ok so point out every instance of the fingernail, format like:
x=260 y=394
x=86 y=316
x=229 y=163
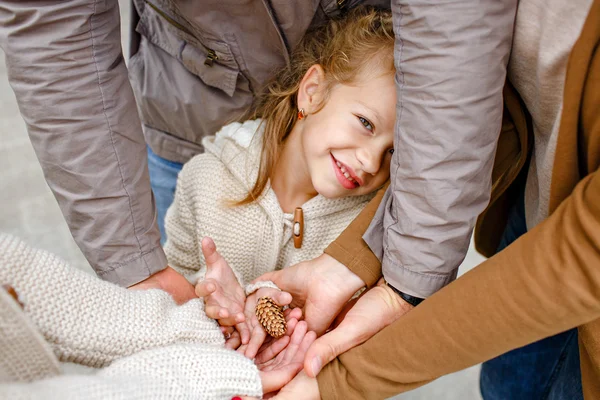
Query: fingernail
x=316 y=365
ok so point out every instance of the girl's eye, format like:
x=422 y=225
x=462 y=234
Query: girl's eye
x=365 y=123
x=391 y=151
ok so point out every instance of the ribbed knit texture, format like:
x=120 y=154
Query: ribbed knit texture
x=163 y=350
x=26 y=355
x=254 y=238
x=253 y=287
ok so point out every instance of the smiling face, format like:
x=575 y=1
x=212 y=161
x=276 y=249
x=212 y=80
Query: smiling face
x=347 y=145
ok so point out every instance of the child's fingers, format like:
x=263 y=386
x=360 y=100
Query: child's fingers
x=293 y=313
x=272 y=350
x=227 y=331
x=256 y=340
x=283 y=298
x=242 y=349
x=206 y=287
x=229 y=318
x=275 y=379
x=295 y=342
x=244 y=330
x=308 y=339
x=291 y=324
x=209 y=250
x=234 y=341
x=217 y=312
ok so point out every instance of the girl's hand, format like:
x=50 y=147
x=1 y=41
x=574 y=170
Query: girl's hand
x=283 y=359
x=224 y=298
x=257 y=332
x=302 y=387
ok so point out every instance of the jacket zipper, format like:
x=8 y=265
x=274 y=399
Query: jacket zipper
x=211 y=54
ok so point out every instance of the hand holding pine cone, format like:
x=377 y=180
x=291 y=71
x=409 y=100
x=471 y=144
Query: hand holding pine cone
x=270 y=316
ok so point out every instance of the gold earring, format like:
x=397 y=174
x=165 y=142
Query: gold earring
x=301 y=114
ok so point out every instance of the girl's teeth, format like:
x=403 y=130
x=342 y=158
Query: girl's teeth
x=343 y=169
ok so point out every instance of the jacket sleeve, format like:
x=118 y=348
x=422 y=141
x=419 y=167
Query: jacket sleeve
x=351 y=250
x=174 y=372
x=450 y=70
x=544 y=283
x=66 y=68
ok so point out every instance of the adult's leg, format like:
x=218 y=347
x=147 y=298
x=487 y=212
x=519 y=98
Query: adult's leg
x=163 y=179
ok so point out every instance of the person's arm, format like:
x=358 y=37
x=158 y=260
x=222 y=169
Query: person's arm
x=92 y=322
x=179 y=371
x=66 y=67
x=546 y=282
x=451 y=65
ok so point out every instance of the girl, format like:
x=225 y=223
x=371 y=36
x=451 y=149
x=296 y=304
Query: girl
x=276 y=189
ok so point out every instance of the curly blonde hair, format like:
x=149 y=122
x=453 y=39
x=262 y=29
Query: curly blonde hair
x=344 y=47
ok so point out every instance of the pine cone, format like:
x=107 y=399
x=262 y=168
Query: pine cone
x=270 y=316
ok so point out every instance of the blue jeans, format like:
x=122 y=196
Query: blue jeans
x=163 y=179
x=544 y=370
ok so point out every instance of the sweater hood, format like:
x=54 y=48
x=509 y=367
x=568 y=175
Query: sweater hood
x=237 y=146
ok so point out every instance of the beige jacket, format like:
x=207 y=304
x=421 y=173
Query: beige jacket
x=197 y=64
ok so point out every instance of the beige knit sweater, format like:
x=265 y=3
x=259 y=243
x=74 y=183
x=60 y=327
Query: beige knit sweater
x=254 y=238
x=150 y=348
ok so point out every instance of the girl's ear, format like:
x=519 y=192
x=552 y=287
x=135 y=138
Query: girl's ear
x=310 y=92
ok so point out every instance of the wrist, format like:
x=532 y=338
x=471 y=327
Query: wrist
x=413 y=301
x=350 y=280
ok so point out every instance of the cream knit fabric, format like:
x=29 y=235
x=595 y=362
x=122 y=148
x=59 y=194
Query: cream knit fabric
x=155 y=348
x=254 y=238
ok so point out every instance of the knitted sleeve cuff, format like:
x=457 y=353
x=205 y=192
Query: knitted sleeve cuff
x=196 y=370
x=253 y=287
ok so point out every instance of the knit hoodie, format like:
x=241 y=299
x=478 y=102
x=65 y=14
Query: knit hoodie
x=254 y=238
x=147 y=346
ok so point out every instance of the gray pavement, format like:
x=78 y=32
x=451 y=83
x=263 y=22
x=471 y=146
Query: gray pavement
x=28 y=209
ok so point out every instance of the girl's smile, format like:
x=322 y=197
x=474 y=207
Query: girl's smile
x=344 y=174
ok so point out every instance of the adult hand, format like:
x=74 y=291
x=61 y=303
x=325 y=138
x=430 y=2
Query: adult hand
x=171 y=282
x=374 y=310
x=279 y=362
x=278 y=367
x=224 y=298
x=321 y=287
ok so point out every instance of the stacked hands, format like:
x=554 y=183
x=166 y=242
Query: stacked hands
x=322 y=288
x=278 y=360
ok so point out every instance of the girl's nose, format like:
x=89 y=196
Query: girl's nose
x=370 y=160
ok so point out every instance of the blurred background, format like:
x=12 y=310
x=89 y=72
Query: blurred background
x=28 y=210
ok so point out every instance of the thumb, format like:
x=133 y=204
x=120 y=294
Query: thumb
x=209 y=250
x=319 y=316
x=329 y=346
x=268 y=276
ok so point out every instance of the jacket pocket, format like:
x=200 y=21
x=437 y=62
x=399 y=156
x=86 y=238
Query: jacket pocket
x=211 y=60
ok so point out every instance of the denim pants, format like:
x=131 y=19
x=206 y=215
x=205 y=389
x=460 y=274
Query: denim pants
x=163 y=179
x=544 y=370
